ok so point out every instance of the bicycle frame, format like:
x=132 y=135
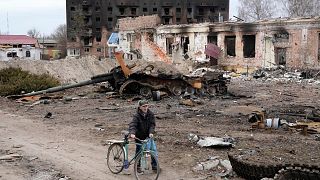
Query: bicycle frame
x=125 y=147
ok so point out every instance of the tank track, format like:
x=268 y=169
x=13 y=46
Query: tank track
x=280 y=171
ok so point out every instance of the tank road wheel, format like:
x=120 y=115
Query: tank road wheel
x=130 y=86
x=176 y=90
x=145 y=91
x=201 y=92
x=190 y=90
x=212 y=90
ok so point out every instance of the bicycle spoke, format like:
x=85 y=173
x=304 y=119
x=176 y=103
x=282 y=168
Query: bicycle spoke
x=146 y=168
x=115 y=158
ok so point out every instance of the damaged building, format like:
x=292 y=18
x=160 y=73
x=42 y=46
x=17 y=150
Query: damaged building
x=293 y=43
x=19 y=46
x=90 y=22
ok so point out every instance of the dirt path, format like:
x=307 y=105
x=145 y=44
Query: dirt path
x=73 y=158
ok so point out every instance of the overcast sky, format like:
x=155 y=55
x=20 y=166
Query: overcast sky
x=19 y=16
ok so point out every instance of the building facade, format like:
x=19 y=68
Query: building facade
x=293 y=43
x=90 y=22
x=19 y=46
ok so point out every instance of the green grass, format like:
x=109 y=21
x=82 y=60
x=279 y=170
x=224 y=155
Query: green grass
x=14 y=81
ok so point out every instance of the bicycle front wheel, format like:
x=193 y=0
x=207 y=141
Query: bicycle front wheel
x=115 y=158
x=146 y=166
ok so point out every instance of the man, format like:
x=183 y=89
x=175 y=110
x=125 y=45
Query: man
x=143 y=125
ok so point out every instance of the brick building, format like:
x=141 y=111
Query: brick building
x=294 y=43
x=90 y=22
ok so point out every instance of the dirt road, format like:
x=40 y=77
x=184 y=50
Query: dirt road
x=71 y=143
x=52 y=147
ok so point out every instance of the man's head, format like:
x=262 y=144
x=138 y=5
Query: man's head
x=143 y=105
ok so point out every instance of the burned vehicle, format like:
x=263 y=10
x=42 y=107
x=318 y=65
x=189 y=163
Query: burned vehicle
x=144 y=77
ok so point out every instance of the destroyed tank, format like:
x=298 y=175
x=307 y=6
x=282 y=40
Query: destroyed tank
x=145 y=77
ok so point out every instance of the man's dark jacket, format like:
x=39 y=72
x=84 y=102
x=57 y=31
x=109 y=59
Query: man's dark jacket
x=142 y=125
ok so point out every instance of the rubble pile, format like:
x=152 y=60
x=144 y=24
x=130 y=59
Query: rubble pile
x=285 y=76
x=68 y=70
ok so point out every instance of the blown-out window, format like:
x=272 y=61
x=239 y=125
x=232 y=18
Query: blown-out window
x=231 y=45
x=249 y=46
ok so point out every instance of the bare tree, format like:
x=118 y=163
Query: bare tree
x=251 y=10
x=60 y=35
x=301 y=8
x=33 y=33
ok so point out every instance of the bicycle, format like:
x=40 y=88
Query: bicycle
x=117 y=158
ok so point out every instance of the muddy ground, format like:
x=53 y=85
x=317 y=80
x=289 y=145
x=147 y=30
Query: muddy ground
x=71 y=143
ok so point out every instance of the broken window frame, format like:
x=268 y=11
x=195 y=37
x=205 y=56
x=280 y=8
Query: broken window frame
x=231 y=50
x=248 y=50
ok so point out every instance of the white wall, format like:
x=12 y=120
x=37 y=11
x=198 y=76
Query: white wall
x=21 y=53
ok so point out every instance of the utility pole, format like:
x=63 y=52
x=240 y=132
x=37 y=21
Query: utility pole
x=8 y=32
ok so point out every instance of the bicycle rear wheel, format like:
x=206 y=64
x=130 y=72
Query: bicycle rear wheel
x=115 y=158
x=143 y=168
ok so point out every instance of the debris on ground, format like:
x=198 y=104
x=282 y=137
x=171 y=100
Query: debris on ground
x=212 y=141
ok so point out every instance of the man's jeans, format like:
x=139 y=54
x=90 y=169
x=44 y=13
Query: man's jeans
x=153 y=161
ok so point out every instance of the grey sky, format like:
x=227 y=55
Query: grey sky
x=19 y=16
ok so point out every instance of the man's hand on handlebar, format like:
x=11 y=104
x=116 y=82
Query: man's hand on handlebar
x=132 y=136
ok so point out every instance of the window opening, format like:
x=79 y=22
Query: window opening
x=121 y=11
x=231 y=45
x=133 y=11
x=249 y=46
x=185 y=44
x=28 y=54
x=166 y=11
x=201 y=11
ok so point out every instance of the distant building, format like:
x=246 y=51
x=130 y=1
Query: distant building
x=19 y=46
x=50 y=49
x=90 y=22
x=240 y=47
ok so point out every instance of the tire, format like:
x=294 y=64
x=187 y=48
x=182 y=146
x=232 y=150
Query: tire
x=145 y=165
x=115 y=158
x=212 y=90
